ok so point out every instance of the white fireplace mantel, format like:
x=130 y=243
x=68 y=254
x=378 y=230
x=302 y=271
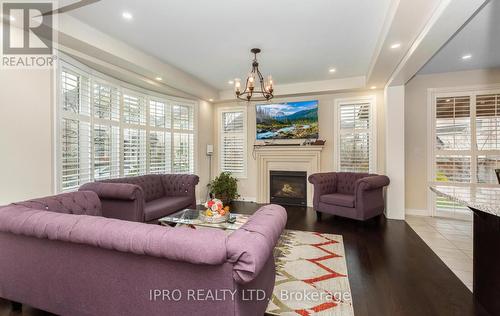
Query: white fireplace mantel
x=285 y=158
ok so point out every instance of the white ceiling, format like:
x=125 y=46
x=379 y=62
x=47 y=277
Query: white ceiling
x=479 y=38
x=300 y=40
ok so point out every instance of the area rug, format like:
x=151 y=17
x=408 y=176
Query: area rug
x=311 y=276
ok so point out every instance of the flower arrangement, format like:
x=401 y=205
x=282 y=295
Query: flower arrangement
x=215 y=208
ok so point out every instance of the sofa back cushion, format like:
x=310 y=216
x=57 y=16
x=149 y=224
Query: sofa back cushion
x=346 y=181
x=151 y=185
x=179 y=184
x=79 y=203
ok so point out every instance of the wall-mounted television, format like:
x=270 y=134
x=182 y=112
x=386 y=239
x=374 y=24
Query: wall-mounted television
x=288 y=120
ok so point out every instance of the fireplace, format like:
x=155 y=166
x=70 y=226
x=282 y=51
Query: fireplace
x=288 y=187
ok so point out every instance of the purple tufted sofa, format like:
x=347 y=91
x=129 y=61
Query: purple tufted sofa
x=348 y=194
x=59 y=255
x=145 y=198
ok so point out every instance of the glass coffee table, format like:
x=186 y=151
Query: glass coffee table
x=191 y=217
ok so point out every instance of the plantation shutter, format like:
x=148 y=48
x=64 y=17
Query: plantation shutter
x=488 y=137
x=106 y=151
x=134 y=152
x=107 y=131
x=106 y=102
x=453 y=163
x=159 y=137
x=183 y=153
x=134 y=109
x=183 y=138
x=233 y=154
x=75 y=129
x=453 y=139
x=355 y=137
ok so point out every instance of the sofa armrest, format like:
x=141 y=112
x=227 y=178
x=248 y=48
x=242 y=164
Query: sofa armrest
x=250 y=247
x=119 y=200
x=324 y=183
x=115 y=191
x=371 y=183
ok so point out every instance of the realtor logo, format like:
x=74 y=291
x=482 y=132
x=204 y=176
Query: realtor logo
x=36 y=27
x=27 y=32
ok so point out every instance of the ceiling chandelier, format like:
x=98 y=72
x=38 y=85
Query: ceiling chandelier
x=251 y=89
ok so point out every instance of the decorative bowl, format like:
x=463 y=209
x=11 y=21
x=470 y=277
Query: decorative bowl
x=213 y=219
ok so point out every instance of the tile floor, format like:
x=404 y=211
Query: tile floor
x=450 y=239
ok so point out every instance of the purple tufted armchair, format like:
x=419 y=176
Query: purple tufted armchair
x=347 y=194
x=145 y=198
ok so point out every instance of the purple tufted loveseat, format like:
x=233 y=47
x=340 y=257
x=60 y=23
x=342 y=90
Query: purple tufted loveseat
x=59 y=255
x=145 y=198
x=355 y=195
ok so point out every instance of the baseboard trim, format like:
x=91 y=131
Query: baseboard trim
x=247 y=199
x=417 y=212
x=243 y=199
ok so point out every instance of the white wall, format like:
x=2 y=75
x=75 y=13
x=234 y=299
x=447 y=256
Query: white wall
x=205 y=137
x=395 y=151
x=25 y=134
x=416 y=126
x=248 y=187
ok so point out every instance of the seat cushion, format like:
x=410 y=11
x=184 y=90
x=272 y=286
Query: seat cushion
x=339 y=199
x=164 y=206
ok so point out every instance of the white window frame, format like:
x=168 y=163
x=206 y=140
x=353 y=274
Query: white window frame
x=372 y=100
x=123 y=87
x=220 y=113
x=432 y=95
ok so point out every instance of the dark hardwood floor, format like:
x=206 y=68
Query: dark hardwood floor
x=391 y=270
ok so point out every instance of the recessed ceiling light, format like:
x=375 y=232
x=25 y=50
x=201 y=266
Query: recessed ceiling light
x=373 y=87
x=396 y=45
x=468 y=56
x=211 y=100
x=159 y=78
x=332 y=70
x=448 y=100
x=230 y=82
x=127 y=15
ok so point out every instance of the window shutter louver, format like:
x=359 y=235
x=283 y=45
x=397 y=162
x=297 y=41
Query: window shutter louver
x=75 y=92
x=106 y=102
x=106 y=152
x=453 y=128
x=355 y=137
x=183 y=153
x=75 y=129
x=233 y=138
x=134 y=152
x=183 y=138
x=453 y=144
x=134 y=109
x=159 y=152
x=488 y=137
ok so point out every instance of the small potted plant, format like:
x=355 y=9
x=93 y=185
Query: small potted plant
x=225 y=187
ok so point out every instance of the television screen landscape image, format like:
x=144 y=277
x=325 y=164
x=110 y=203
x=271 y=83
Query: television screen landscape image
x=290 y=120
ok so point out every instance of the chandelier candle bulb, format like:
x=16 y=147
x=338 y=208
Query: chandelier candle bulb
x=237 y=85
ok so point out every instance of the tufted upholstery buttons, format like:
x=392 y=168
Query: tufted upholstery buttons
x=179 y=184
x=346 y=181
x=79 y=203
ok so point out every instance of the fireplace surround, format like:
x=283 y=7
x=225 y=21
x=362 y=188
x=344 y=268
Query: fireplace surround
x=288 y=187
x=290 y=158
